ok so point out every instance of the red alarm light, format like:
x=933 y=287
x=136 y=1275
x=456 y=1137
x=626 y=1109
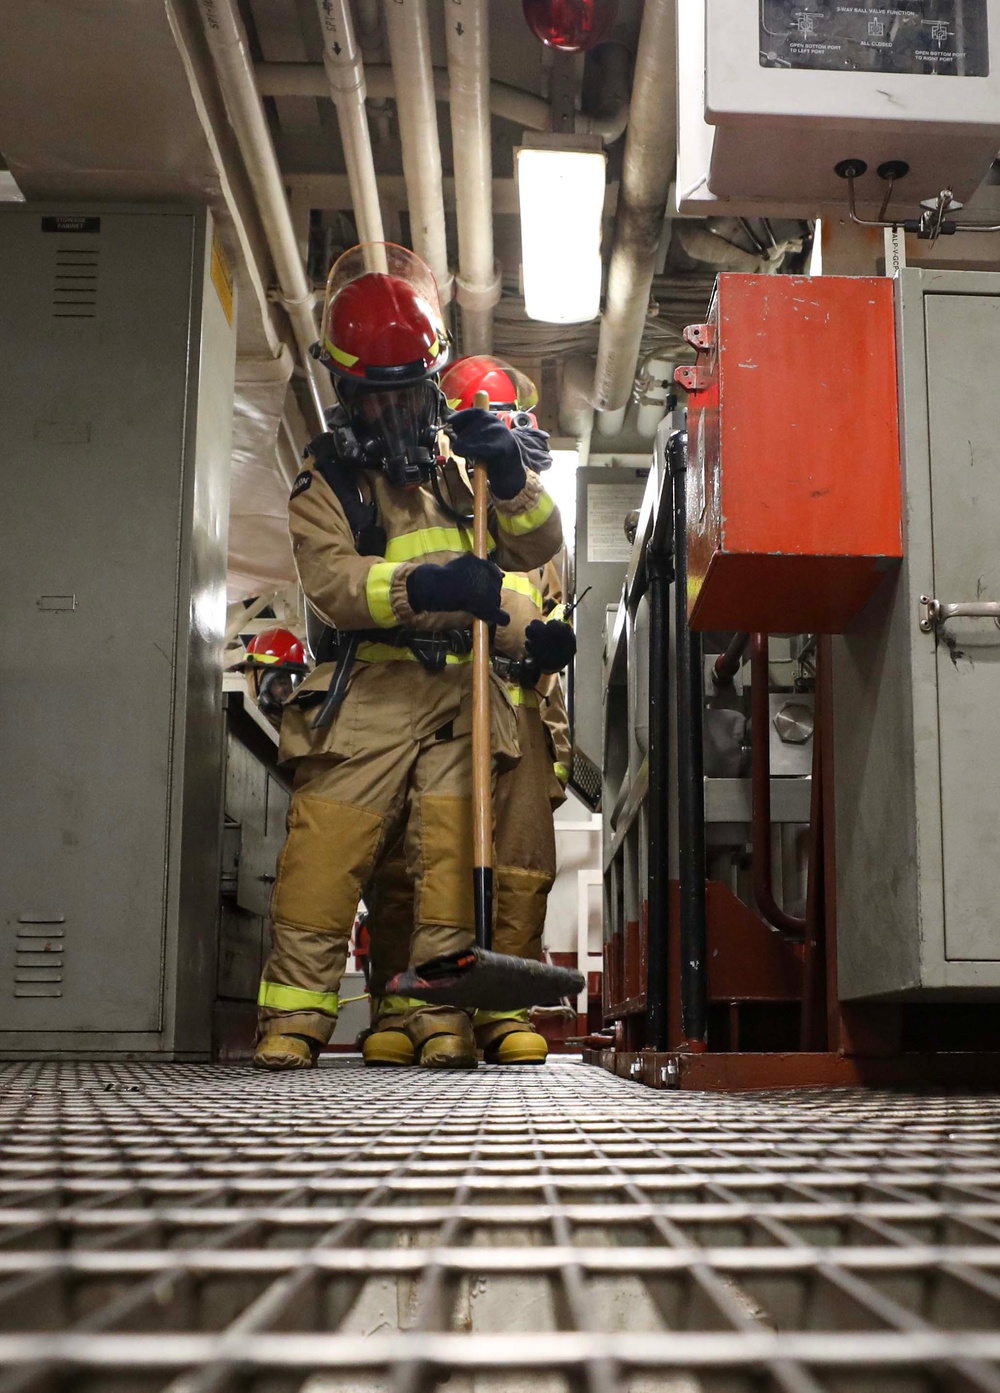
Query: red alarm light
x=570 y=25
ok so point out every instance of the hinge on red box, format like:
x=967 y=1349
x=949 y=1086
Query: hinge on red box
x=700 y=336
x=693 y=379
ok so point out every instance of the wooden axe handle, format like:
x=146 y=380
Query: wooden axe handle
x=482 y=754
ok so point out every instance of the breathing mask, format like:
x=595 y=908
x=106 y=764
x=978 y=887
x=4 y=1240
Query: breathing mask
x=394 y=429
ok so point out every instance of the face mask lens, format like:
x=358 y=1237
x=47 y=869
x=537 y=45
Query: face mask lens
x=397 y=428
x=274 y=688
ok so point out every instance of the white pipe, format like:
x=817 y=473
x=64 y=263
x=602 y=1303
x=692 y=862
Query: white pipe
x=477 y=286
x=227 y=43
x=410 y=50
x=609 y=423
x=647 y=170
x=345 y=74
x=510 y=103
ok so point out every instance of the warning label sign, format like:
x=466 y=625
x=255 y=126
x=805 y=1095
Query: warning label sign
x=947 y=38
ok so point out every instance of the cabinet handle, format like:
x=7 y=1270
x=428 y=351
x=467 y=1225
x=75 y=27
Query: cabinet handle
x=267 y=879
x=934 y=613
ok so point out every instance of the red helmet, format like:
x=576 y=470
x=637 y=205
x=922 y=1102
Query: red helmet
x=382 y=320
x=507 y=388
x=276 y=648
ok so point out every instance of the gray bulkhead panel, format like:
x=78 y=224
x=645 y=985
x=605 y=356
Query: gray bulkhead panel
x=917 y=717
x=116 y=382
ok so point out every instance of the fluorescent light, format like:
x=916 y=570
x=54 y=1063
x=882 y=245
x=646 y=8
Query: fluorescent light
x=561 y=194
x=560 y=484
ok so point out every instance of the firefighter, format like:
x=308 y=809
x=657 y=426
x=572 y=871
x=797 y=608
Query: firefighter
x=379 y=735
x=274 y=666
x=526 y=796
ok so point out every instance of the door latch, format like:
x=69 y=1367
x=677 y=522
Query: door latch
x=934 y=613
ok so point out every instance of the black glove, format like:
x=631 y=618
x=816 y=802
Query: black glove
x=550 y=643
x=534 y=450
x=463 y=584
x=478 y=435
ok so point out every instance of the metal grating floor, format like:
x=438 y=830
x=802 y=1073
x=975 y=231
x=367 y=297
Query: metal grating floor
x=189 y=1228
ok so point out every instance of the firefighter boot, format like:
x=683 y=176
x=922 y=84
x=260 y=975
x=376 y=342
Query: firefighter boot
x=507 y=1037
x=286 y=1052
x=387 y=1044
x=442 y=1037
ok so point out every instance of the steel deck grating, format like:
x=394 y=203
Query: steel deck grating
x=194 y=1229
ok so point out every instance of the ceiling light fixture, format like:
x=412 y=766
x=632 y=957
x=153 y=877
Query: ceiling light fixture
x=560 y=188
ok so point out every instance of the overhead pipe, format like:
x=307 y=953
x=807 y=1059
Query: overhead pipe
x=408 y=32
x=477 y=285
x=512 y=104
x=345 y=75
x=647 y=171
x=227 y=44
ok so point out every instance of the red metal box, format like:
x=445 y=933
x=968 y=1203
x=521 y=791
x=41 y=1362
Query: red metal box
x=793 y=484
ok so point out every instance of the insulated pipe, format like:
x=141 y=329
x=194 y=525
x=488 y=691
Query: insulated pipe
x=647 y=170
x=227 y=44
x=345 y=75
x=509 y=103
x=760 y=798
x=477 y=285
x=410 y=51
x=611 y=423
x=693 y=928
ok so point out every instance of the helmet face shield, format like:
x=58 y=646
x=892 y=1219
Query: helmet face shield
x=382 y=319
x=397 y=427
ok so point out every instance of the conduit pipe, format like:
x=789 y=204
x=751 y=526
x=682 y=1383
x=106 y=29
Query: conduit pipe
x=410 y=51
x=227 y=44
x=477 y=285
x=647 y=170
x=345 y=75
x=509 y=103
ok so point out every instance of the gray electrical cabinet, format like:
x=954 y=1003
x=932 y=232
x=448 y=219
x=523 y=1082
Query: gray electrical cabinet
x=917 y=684
x=604 y=498
x=116 y=389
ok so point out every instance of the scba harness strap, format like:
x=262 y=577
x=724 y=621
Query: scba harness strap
x=431 y=648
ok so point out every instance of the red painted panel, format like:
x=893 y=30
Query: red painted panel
x=794 y=493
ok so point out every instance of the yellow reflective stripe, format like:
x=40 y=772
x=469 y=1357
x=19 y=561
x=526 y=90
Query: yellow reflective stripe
x=523 y=696
x=487 y=1017
x=521 y=585
x=283 y=998
x=559 y=613
x=393 y=1005
x=519 y=523
x=346 y=360
x=426 y=541
x=372 y=652
x=377 y=588
x=561 y=772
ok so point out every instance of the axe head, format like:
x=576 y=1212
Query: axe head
x=488 y=981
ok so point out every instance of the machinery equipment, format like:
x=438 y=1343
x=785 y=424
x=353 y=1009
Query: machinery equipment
x=815 y=904
x=909 y=90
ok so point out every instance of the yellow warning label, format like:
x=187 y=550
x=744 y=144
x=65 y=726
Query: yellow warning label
x=222 y=277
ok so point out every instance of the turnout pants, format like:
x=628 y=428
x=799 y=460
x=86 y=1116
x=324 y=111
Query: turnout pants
x=397 y=759
x=524 y=871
